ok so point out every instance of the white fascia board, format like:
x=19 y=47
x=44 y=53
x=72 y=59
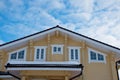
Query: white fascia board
x=38 y=62
x=66 y=69
x=29 y=38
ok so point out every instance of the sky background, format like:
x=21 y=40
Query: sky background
x=98 y=19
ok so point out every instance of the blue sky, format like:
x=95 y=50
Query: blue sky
x=99 y=19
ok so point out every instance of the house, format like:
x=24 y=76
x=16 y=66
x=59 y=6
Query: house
x=58 y=54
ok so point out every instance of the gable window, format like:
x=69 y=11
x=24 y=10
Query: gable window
x=21 y=54
x=18 y=55
x=14 y=55
x=95 y=56
x=57 y=49
x=100 y=57
x=74 y=53
x=40 y=53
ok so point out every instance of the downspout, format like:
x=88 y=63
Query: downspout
x=77 y=74
x=117 y=70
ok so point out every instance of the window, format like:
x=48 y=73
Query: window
x=14 y=55
x=100 y=57
x=57 y=49
x=40 y=53
x=74 y=53
x=95 y=56
x=18 y=55
x=21 y=54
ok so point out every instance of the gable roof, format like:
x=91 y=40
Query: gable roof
x=87 y=39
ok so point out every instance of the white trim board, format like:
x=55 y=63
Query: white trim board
x=66 y=69
x=38 y=62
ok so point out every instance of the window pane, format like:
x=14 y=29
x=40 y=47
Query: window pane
x=14 y=56
x=76 y=54
x=93 y=55
x=37 y=56
x=42 y=53
x=100 y=57
x=55 y=49
x=21 y=54
x=59 y=49
x=72 y=54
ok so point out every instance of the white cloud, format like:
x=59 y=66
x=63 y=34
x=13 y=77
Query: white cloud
x=40 y=18
x=108 y=33
x=47 y=4
x=1 y=42
x=16 y=3
x=80 y=5
x=19 y=30
x=2 y=5
x=101 y=4
x=55 y=4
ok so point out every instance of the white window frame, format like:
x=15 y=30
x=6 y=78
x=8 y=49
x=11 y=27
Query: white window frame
x=57 y=45
x=78 y=48
x=16 y=51
x=97 y=52
x=40 y=47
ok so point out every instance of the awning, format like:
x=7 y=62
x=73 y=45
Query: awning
x=44 y=66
